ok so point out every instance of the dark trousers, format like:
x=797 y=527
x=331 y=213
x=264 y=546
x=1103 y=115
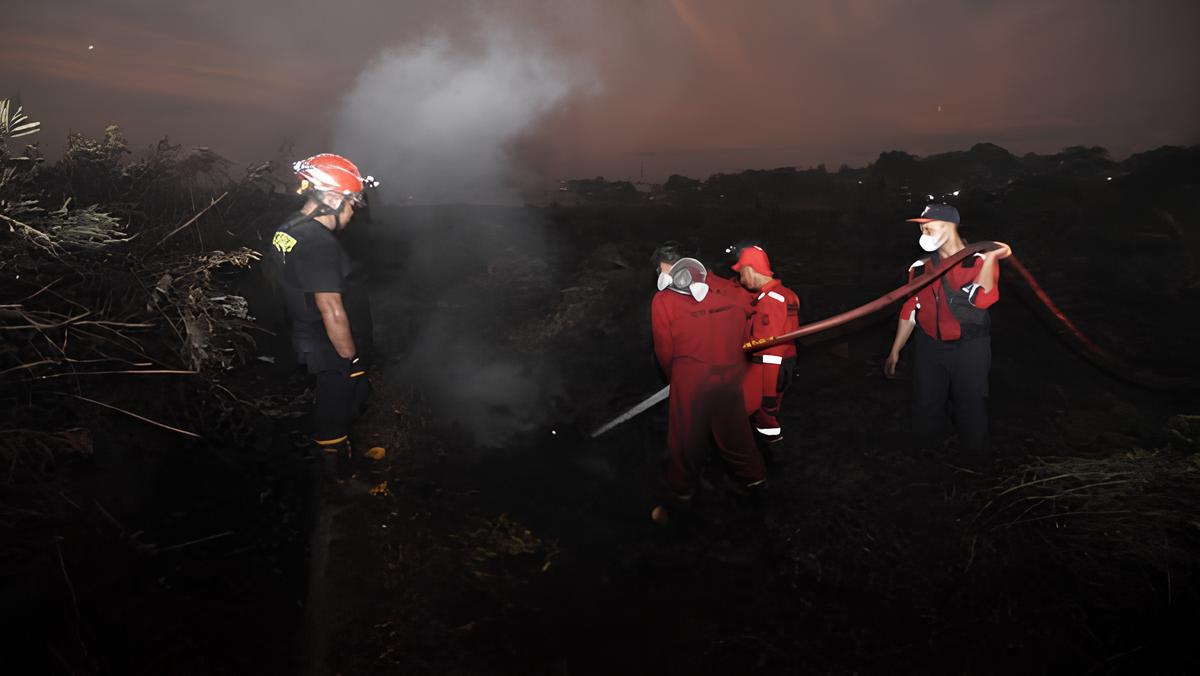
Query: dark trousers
x=951 y=375
x=340 y=398
x=776 y=381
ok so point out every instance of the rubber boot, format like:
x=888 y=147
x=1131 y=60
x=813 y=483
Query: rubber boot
x=756 y=496
x=752 y=500
x=339 y=457
x=677 y=507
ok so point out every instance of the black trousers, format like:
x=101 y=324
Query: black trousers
x=951 y=375
x=339 y=397
x=339 y=400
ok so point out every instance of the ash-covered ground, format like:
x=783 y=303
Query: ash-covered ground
x=495 y=536
x=507 y=541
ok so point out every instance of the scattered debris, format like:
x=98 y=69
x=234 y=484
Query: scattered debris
x=505 y=551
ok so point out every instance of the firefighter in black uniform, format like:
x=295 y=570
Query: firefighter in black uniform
x=329 y=313
x=952 y=326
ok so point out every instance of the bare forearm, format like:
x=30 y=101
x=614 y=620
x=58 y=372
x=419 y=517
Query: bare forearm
x=987 y=275
x=337 y=327
x=904 y=329
x=337 y=323
x=989 y=272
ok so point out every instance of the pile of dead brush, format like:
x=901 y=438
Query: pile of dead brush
x=108 y=280
x=117 y=312
x=121 y=334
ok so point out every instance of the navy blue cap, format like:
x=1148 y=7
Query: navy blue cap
x=937 y=212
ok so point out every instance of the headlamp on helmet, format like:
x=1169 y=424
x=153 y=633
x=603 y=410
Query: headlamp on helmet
x=328 y=172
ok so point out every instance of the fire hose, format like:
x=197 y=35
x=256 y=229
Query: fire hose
x=1065 y=328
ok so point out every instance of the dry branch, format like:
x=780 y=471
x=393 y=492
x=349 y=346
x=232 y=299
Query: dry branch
x=189 y=221
x=134 y=415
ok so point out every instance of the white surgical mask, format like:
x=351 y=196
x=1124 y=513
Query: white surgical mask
x=931 y=243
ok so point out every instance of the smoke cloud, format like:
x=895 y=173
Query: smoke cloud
x=453 y=117
x=458 y=281
x=437 y=120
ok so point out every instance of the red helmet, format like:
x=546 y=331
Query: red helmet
x=329 y=172
x=755 y=257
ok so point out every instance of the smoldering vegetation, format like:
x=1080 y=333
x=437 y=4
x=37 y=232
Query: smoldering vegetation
x=469 y=275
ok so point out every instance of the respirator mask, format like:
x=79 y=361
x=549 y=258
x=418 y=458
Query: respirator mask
x=687 y=276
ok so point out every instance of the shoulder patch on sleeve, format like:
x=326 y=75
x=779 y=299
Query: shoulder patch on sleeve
x=776 y=296
x=283 y=242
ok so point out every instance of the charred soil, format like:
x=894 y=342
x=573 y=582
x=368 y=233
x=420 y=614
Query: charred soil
x=161 y=512
x=527 y=548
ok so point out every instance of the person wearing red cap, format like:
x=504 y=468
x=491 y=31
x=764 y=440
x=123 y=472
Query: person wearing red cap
x=312 y=272
x=952 y=327
x=776 y=311
x=698 y=332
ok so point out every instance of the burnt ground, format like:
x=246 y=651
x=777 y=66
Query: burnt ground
x=509 y=542
x=496 y=537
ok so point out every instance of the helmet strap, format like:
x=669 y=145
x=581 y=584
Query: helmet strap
x=324 y=209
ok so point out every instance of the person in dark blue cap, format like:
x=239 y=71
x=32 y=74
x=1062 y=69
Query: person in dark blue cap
x=953 y=343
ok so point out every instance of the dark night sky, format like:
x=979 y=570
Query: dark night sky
x=689 y=86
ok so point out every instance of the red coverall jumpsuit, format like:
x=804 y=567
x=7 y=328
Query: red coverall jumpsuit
x=776 y=311
x=698 y=345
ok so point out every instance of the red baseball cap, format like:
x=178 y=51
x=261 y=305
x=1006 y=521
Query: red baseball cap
x=755 y=257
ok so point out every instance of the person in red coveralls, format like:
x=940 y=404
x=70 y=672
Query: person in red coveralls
x=698 y=333
x=776 y=311
x=953 y=345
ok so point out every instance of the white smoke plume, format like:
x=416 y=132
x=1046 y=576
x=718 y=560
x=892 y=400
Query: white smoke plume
x=436 y=120
x=454 y=118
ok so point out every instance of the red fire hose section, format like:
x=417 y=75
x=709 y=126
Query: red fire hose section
x=1100 y=357
x=872 y=307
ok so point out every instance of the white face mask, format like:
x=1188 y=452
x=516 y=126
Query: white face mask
x=932 y=243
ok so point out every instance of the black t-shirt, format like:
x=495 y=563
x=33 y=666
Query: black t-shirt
x=306 y=259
